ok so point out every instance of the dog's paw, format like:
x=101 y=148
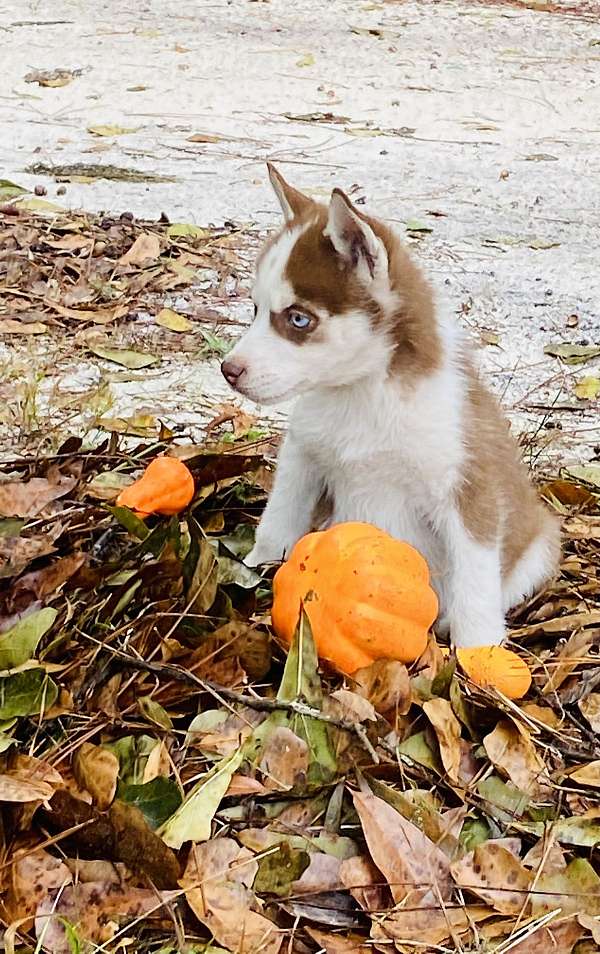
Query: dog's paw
x=466 y=634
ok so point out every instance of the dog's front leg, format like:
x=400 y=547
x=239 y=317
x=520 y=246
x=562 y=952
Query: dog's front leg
x=288 y=514
x=473 y=588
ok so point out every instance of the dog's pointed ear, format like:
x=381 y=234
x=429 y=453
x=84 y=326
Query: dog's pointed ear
x=354 y=239
x=292 y=202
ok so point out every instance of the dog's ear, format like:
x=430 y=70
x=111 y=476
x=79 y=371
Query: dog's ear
x=354 y=239
x=292 y=202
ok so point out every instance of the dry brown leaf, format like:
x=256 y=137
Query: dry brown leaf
x=245 y=785
x=447 y=729
x=350 y=706
x=97 y=771
x=588 y=774
x=29 y=780
x=45 y=581
x=144 y=250
x=217 y=886
x=366 y=883
x=496 y=876
x=386 y=684
x=569 y=657
x=284 y=760
x=433 y=926
x=33 y=875
x=514 y=754
x=575 y=890
x=322 y=874
x=27 y=498
x=546 y=855
x=590 y=709
x=590 y=924
x=339 y=943
x=559 y=937
x=92 y=909
x=411 y=863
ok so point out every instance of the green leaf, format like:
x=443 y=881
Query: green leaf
x=132 y=523
x=417 y=748
x=19 y=643
x=157 y=799
x=154 y=712
x=232 y=571
x=111 y=129
x=134 y=360
x=413 y=225
x=193 y=819
x=187 y=230
x=12 y=526
x=132 y=752
x=278 y=870
x=301 y=682
x=9 y=190
x=216 y=344
x=583 y=832
x=587 y=473
x=572 y=353
x=504 y=795
x=26 y=693
x=474 y=832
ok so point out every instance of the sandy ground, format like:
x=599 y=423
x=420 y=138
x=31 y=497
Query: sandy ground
x=480 y=121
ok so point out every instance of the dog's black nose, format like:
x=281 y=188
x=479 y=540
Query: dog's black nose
x=232 y=372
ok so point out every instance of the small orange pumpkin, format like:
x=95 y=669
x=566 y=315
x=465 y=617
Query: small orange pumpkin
x=166 y=487
x=497 y=667
x=367 y=595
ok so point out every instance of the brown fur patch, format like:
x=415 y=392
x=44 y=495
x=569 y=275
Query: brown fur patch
x=496 y=485
x=320 y=276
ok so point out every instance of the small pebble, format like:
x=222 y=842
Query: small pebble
x=62 y=190
x=40 y=190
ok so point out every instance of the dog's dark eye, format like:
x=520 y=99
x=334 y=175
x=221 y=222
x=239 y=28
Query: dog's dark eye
x=297 y=320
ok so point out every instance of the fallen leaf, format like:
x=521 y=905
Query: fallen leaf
x=576 y=890
x=167 y=318
x=581 y=831
x=193 y=819
x=29 y=780
x=19 y=643
x=430 y=927
x=217 y=886
x=572 y=353
x=96 y=770
x=447 y=729
x=567 y=660
x=590 y=710
x=588 y=774
x=515 y=755
x=51 y=78
x=144 y=250
x=187 y=230
x=351 y=706
x=284 y=760
x=495 y=875
x=386 y=684
x=10 y=190
x=365 y=883
x=109 y=129
x=559 y=936
x=587 y=389
x=206 y=137
x=413 y=866
x=107 y=485
x=306 y=60
x=338 y=943
x=414 y=225
x=50 y=578
x=157 y=799
x=9 y=326
x=153 y=711
x=27 y=498
x=89 y=912
x=588 y=473
x=26 y=693
x=134 y=360
x=279 y=870
x=33 y=875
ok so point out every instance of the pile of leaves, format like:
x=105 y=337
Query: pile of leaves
x=171 y=782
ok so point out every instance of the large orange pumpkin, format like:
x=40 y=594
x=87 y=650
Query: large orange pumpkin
x=367 y=595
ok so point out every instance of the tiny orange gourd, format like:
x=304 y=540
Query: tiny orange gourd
x=366 y=594
x=165 y=487
x=496 y=667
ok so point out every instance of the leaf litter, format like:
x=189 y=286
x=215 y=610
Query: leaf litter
x=162 y=762
x=151 y=725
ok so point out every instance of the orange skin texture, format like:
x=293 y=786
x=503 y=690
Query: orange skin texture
x=165 y=487
x=496 y=667
x=366 y=594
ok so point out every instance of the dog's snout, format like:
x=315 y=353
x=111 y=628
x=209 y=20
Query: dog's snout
x=232 y=371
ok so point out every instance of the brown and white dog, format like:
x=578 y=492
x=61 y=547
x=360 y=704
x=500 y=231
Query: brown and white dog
x=392 y=423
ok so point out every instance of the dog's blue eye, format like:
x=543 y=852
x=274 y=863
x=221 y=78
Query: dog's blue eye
x=298 y=320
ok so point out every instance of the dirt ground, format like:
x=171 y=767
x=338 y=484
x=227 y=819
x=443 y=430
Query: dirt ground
x=472 y=127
